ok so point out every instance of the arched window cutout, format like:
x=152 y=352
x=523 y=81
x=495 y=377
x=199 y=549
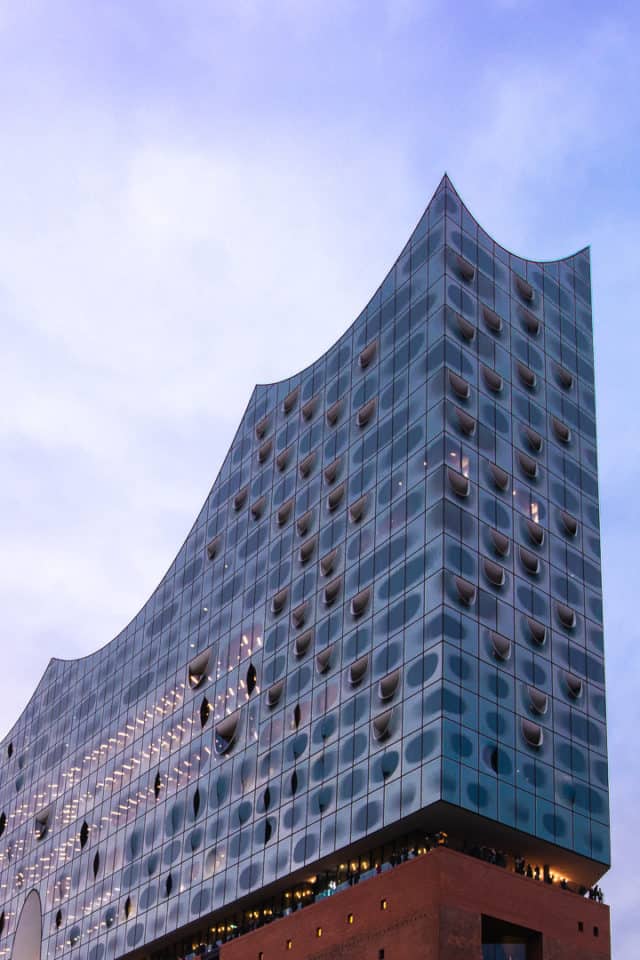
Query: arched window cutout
x=466 y=270
x=265 y=451
x=195 y=803
x=333 y=413
x=526 y=375
x=459 y=386
x=332 y=591
x=43 y=822
x=537 y=630
x=538 y=700
x=299 y=615
x=274 y=693
x=458 y=482
x=304 y=522
x=10 y=750
x=360 y=602
x=58 y=920
x=524 y=288
x=306 y=466
x=127 y=907
x=279 y=601
x=197 y=671
x=84 y=834
x=569 y=523
x=529 y=561
x=283 y=459
x=213 y=547
x=226 y=732
x=328 y=562
x=500 y=542
x=563 y=376
x=499 y=476
x=335 y=497
x=388 y=686
x=205 y=712
x=294 y=782
x=266 y=798
x=533 y=439
x=303 y=643
x=309 y=408
x=494 y=572
x=358 y=669
x=492 y=379
x=261 y=427
x=535 y=531
x=3 y=823
x=561 y=430
x=501 y=646
x=307 y=549
x=168 y=885
x=157 y=785
x=366 y=413
x=574 y=685
x=532 y=733
x=357 y=509
x=368 y=354
x=332 y=470
x=323 y=659
x=466 y=591
x=527 y=464
x=530 y=322
x=566 y=615
x=493 y=322
x=257 y=508
x=466 y=422
x=381 y=725
x=240 y=499
x=284 y=513
x=289 y=402
x=252 y=678
x=96 y=864
x=465 y=328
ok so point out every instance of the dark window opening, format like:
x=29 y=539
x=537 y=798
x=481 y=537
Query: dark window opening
x=502 y=940
x=205 y=711
x=84 y=834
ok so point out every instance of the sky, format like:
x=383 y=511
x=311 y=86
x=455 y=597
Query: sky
x=197 y=196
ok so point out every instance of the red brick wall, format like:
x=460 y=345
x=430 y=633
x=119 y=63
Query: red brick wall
x=434 y=909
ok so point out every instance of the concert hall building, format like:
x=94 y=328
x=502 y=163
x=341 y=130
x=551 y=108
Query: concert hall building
x=363 y=714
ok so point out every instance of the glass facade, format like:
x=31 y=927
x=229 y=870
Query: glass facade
x=390 y=598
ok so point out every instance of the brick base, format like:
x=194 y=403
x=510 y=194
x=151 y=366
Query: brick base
x=431 y=908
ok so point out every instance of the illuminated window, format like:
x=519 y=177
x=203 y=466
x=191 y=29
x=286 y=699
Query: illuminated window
x=349 y=918
x=318 y=931
x=289 y=944
x=383 y=904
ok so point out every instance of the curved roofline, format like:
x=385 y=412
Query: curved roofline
x=447 y=179
x=445 y=182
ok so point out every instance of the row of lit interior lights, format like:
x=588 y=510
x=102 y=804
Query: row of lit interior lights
x=66 y=850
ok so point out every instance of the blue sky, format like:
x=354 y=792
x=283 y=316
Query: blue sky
x=180 y=180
